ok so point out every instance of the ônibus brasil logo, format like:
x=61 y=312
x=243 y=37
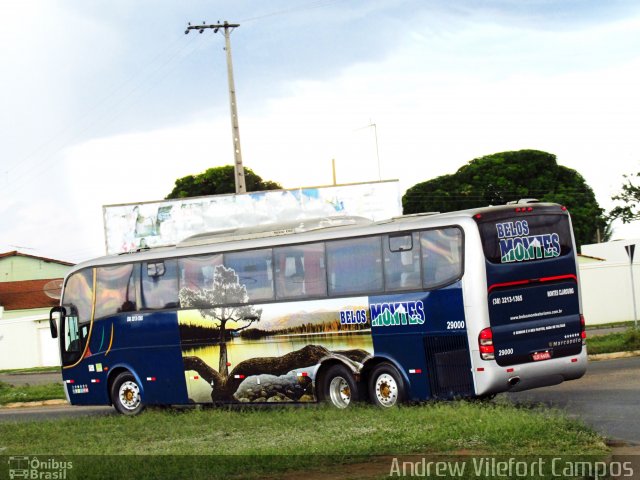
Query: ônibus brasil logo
x=516 y=245
x=398 y=313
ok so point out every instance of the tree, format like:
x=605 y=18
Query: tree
x=507 y=176
x=630 y=195
x=217 y=181
x=226 y=290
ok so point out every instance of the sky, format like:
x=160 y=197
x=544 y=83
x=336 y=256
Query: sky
x=109 y=102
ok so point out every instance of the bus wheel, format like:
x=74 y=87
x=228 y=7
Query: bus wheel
x=339 y=388
x=126 y=395
x=386 y=386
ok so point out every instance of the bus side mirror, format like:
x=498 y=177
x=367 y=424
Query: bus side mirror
x=52 y=322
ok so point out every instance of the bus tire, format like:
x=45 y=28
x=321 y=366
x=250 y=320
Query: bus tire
x=386 y=386
x=339 y=387
x=126 y=395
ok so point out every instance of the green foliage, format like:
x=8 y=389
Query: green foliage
x=436 y=427
x=30 y=393
x=630 y=196
x=507 y=176
x=614 y=342
x=248 y=443
x=218 y=181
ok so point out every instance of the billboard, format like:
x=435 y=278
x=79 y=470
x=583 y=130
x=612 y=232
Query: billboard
x=129 y=227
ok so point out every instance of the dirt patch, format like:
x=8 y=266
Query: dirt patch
x=40 y=403
x=628 y=455
x=377 y=467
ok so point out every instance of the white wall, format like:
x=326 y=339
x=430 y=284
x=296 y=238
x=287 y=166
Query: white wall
x=612 y=251
x=26 y=342
x=606 y=291
x=606 y=285
x=48 y=347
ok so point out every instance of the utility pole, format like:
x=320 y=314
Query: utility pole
x=235 y=128
x=630 y=251
x=333 y=169
x=375 y=132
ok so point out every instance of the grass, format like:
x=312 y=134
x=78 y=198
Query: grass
x=628 y=323
x=30 y=393
x=249 y=443
x=628 y=340
x=254 y=443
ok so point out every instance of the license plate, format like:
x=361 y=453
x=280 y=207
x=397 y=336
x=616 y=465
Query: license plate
x=541 y=356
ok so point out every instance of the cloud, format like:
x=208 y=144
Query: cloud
x=429 y=122
x=443 y=85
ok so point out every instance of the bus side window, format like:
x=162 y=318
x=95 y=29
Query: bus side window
x=115 y=290
x=71 y=334
x=441 y=256
x=196 y=274
x=78 y=293
x=300 y=271
x=354 y=266
x=196 y=277
x=402 y=262
x=159 y=285
x=254 y=271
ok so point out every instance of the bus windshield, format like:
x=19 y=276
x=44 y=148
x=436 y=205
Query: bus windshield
x=526 y=238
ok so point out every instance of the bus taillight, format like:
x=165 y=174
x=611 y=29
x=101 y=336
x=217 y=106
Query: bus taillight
x=485 y=339
x=583 y=330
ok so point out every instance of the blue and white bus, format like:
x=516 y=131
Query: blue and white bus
x=462 y=304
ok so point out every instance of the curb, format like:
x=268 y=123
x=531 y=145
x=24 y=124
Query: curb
x=614 y=355
x=40 y=403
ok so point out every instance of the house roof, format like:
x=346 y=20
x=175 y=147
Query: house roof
x=26 y=294
x=15 y=253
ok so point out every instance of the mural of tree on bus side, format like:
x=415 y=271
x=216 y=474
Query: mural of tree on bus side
x=225 y=290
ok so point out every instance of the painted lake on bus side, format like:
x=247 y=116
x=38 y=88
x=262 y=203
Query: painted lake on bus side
x=239 y=349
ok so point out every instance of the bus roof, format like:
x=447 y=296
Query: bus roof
x=319 y=229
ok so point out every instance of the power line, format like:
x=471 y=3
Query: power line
x=144 y=74
x=309 y=6
x=116 y=109
x=101 y=101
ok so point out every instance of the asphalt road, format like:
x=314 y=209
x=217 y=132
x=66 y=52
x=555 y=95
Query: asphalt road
x=50 y=413
x=607 y=398
x=30 y=378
